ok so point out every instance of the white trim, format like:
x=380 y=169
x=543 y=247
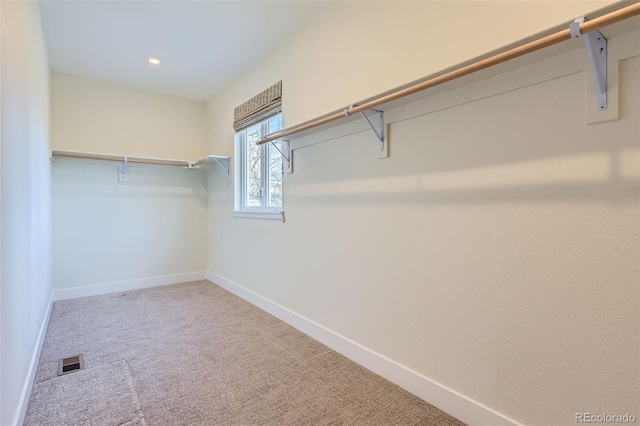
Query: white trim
x=118 y=286
x=241 y=143
x=23 y=402
x=248 y=214
x=448 y=400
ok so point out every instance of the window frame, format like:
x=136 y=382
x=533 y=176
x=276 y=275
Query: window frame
x=241 y=207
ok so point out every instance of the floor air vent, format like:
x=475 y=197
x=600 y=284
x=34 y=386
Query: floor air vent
x=70 y=364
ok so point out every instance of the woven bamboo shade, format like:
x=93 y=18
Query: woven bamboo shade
x=260 y=107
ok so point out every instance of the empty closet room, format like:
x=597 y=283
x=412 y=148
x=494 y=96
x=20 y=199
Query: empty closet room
x=307 y=213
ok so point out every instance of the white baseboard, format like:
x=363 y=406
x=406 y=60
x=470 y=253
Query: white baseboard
x=459 y=406
x=23 y=402
x=118 y=286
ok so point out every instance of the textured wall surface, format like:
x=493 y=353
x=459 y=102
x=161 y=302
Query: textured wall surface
x=105 y=231
x=93 y=116
x=495 y=251
x=153 y=225
x=373 y=47
x=25 y=173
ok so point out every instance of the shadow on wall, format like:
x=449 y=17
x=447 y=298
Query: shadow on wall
x=597 y=177
x=99 y=180
x=529 y=144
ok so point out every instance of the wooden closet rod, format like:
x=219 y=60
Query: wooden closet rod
x=555 y=38
x=118 y=158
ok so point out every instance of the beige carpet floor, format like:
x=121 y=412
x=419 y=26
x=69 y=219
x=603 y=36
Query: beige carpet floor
x=195 y=354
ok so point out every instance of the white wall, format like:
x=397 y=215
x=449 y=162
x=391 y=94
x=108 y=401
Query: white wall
x=26 y=211
x=367 y=48
x=93 y=116
x=495 y=252
x=105 y=232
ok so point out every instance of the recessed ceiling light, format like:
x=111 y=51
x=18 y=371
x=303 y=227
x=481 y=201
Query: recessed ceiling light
x=154 y=61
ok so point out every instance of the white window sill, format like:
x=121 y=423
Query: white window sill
x=248 y=214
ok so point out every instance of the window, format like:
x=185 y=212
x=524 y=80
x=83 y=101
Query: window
x=258 y=171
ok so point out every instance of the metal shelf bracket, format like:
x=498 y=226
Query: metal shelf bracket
x=287 y=154
x=225 y=167
x=596 y=46
x=209 y=163
x=123 y=176
x=378 y=132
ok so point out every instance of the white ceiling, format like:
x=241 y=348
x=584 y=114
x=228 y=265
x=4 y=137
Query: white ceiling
x=203 y=45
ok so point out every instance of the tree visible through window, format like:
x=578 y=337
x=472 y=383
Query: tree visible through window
x=260 y=168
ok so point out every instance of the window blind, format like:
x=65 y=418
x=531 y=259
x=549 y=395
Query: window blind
x=262 y=106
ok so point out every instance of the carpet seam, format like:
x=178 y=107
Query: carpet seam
x=134 y=392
